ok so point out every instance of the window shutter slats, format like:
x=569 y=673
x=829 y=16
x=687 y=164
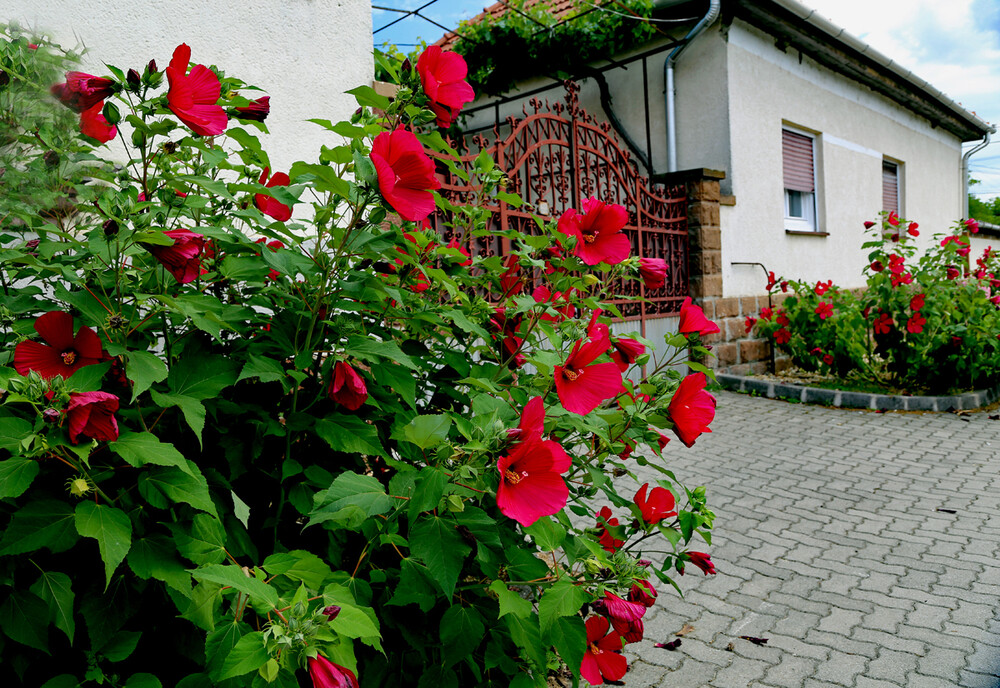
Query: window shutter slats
x=797 y=159
x=890 y=187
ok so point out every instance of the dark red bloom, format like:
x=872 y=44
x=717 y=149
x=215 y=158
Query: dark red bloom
x=602 y=660
x=917 y=302
x=828 y=359
x=182 y=259
x=608 y=541
x=642 y=592
x=83 y=91
x=782 y=318
x=692 y=408
x=256 y=111
x=62 y=354
x=912 y=229
x=766 y=313
x=869 y=224
x=822 y=287
x=771 y=281
x=750 y=322
x=824 y=310
x=782 y=336
x=784 y=286
x=877 y=266
x=951 y=272
x=405 y=174
x=92 y=414
x=326 y=674
x=531 y=482
x=581 y=384
x=693 y=320
x=94 y=124
x=882 y=324
x=972 y=225
x=915 y=325
x=625 y=351
x=702 y=561
x=598 y=232
x=347 y=388
x=273 y=245
x=331 y=612
x=194 y=97
x=463 y=250
x=653 y=272
x=442 y=75
x=657 y=505
x=270 y=206
x=625 y=616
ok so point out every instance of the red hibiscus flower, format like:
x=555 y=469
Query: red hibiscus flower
x=625 y=351
x=83 y=91
x=902 y=278
x=62 y=354
x=543 y=295
x=194 y=97
x=750 y=323
x=823 y=287
x=893 y=218
x=625 y=616
x=405 y=174
x=598 y=232
x=972 y=225
x=782 y=336
x=347 y=388
x=869 y=224
x=442 y=75
x=951 y=272
x=581 y=384
x=642 y=592
x=608 y=541
x=602 y=660
x=657 y=505
x=877 y=266
x=771 y=281
x=692 y=408
x=784 y=286
x=653 y=272
x=824 y=310
x=270 y=206
x=662 y=441
x=882 y=324
x=273 y=245
x=531 y=482
x=782 y=318
x=766 y=313
x=94 y=125
x=92 y=414
x=693 y=320
x=532 y=423
x=912 y=229
x=917 y=302
x=915 y=325
x=183 y=258
x=326 y=674
x=702 y=561
x=463 y=250
x=828 y=359
x=256 y=111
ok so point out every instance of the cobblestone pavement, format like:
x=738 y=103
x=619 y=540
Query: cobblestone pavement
x=862 y=545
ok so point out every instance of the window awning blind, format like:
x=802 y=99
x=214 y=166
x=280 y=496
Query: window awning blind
x=890 y=187
x=797 y=156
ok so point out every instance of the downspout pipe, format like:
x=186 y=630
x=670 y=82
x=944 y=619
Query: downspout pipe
x=668 y=77
x=965 y=173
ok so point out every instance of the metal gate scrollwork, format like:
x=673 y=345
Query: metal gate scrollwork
x=557 y=155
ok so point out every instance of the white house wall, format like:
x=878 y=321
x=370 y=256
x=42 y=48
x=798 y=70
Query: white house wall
x=303 y=53
x=855 y=128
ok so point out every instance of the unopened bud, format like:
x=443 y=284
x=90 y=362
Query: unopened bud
x=110 y=228
x=51 y=158
x=133 y=79
x=117 y=322
x=51 y=415
x=407 y=67
x=331 y=612
x=112 y=114
x=644 y=563
x=151 y=67
x=138 y=138
x=31 y=244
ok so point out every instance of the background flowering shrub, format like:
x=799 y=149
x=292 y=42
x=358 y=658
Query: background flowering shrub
x=925 y=323
x=257 y=427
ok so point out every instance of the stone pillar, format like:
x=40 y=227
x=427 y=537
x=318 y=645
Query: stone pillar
x=704 y=230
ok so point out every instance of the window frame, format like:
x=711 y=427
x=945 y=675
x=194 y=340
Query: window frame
x=808 y=222
x=886 y=161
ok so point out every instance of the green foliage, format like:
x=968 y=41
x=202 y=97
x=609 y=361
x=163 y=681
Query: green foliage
x=241 y=516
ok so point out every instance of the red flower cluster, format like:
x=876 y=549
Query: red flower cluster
x=749 y=323
x=194 y=96
x=405 y=174
x=442 y=75
x=63 y=353
x=823 y=287
x=598 y=232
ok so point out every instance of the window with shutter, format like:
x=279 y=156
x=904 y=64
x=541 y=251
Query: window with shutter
x=890 y=187
x=799 y=172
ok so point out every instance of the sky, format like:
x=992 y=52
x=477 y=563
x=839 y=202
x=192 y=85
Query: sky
x=953 y=44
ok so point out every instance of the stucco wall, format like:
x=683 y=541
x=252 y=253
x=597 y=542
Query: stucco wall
x=855 y=128
x=303 y=53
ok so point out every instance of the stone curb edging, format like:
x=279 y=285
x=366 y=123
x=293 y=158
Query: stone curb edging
x=863 y=400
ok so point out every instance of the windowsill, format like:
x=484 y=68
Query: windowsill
x=800 y=232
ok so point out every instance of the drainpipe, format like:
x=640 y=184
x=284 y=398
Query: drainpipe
x=668 y=76
x=965 y=173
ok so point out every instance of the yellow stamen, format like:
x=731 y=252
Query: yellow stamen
x=572 y=375
x=69 y=357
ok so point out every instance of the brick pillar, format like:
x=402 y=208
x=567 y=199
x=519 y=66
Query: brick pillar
x=704 y=230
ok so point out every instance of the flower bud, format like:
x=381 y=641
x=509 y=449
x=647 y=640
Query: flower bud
x=138 y=138
x=331 y=612
x=111 y=113
x=169 y=147
x=51 y=158
x=133 y=79
x=151 y=67
x=110 y=228
x=51 y=415
x=31 y=244
x=407 y=67
x=644 y=562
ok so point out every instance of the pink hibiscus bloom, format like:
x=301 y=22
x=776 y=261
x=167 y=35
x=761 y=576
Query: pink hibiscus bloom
x=182 y=259
x=194 y=97
x=347 y=388
x=625 y=352
x=83 y=91
x=598 y=232
x=653 y=272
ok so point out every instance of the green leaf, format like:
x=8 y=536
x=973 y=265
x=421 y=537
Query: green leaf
x=568 y=634
x=143 y=681
x=55 y=589
x=220 y=643
x=460 y=319
x=121 y=646
x=250 y=654
x=244 y=268
x=241 y=510
x=269 y=672
x=212 y=186
x=370 y=349
x=547 y=534
x=366 y=95
x=353 y=622
x=204 y=543
x=143 y=369
x=482 y=526
x=24 y=618
x=461 y=631
x=300 y=566
x=510 y=601
x=155 y=557
x=234 y=577
x=428 y=430
x=159 y=484
x=16 y=475
x=430 y=486
x=351 y=499
x=206 y=598
x=202 y=377
x=326 y=178
x=562 y=599
x=414 y=587
x=525 y=634
x=12 y=431
x=88 y=378
x=141 y=448
x=264 y=369
x=44 y=523
x=111 y=528
x=438 y=544
x=398 y=379
x=349 y=434
x=192 y=409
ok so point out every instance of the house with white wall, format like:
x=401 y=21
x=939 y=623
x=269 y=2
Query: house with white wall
x=802 y=130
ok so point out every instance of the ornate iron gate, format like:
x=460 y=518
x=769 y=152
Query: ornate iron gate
x=557 y=155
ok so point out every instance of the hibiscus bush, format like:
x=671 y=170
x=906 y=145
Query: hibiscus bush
x=260 y=424
x=927 y=322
